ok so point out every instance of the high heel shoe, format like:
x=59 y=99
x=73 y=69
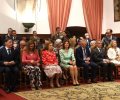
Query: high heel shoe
x=77 y=83
x=58 y=85
x=51 y=85
x=74 y=84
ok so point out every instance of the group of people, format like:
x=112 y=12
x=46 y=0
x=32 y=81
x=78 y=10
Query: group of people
x=52 y=57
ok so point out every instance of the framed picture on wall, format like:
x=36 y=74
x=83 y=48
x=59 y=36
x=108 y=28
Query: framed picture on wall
x=116 y=10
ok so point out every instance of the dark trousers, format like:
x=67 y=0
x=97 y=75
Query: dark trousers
x=11 y=75
x=86 y=69
x=107 y=70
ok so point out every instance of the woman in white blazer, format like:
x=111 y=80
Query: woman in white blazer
x=113 y=53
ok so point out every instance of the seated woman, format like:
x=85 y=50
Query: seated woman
x=68 y=61
x=30 y=60
x=51 y=67
x=113 y=53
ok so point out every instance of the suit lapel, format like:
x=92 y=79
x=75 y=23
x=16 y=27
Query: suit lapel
x=81 y=52
x=5 y=51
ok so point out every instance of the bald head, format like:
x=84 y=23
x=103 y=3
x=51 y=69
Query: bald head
x=99 y=44
x=22 y=44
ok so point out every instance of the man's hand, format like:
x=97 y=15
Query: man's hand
x=6 y=63
x=71 y=62
x=11 y=63
x=106 y=61
x=87 y=62
x=88 y=59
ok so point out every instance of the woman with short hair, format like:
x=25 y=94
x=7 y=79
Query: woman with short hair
x=50 y=64
x=68 y=61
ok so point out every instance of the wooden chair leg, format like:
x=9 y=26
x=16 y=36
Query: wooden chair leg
x=25 y=80
x=1 y=78
x=20 y=79
x=4 y=80
x=81 y=74
x=99 y=73
x=65 y=75
x=78 y=74
x=117 y=72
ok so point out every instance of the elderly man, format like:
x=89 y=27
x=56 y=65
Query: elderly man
x=88 y=40
x=98 y=55
x=83 y=60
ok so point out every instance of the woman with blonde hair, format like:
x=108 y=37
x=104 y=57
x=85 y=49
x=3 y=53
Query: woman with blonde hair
x=113 y=52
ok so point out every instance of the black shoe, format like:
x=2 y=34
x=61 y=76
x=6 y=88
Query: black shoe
x=88 y=81
x=94 y=81
x=36 y=88
x=110 y=79
x=74 y=84
x=13 y=89
x=104 y=79
x=78 y=84
x=7 y=90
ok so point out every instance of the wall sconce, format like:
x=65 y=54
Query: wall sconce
x=28 y=26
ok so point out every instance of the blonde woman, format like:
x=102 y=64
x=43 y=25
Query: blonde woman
x=113 y=53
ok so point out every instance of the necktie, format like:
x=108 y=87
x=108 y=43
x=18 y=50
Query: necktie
x=9 y=51
x=100 y=49
x=84 y=54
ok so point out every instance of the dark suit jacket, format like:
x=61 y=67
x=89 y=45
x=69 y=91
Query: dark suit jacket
x=88 y=42
x=4 y=36
x=98 y=56
x=5 y=57
x=79 y=55
x=16 y=38
x=106 y=41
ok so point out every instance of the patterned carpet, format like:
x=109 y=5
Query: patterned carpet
x=98 y=91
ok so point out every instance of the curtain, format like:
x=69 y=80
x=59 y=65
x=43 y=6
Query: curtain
x=93 y=14
x=58 y=14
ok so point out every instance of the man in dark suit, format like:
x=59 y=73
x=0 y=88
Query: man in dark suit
x=8 y=65
x=83 y=60
x=15 y=36
x=98 y=55
x=5 y=36
x=108 y=37
x=88 y=40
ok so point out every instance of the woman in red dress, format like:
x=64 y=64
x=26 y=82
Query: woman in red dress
x=50 y=62
x=31 y=62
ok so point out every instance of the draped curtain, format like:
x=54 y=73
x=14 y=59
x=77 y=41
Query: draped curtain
x=58 y=13
x=93 y=14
